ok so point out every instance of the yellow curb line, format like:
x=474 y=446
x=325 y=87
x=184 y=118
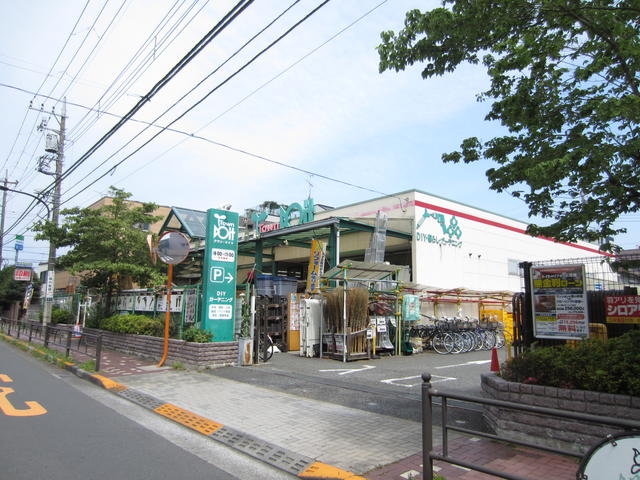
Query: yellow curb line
x=188 y=419
x=109 y=384
x=322 y=471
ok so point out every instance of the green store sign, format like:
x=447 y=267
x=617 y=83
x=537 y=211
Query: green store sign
x=219 y=274
x=306 y=214
x=451 y=231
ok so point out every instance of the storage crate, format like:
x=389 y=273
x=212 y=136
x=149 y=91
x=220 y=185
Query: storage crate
x=264 y=285
x=283 y=286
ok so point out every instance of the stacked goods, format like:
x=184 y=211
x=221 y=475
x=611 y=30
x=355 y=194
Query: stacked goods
x=357 y=321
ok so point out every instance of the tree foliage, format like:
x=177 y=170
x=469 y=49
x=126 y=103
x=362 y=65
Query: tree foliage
x=107 y=245
x=564 y=82
x=11 y=290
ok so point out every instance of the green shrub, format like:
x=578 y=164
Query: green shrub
x=58 y=315
x=194 y=334
x=136 y=324
x=611 y=366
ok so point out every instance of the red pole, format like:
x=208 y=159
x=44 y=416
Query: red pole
x=167 y=317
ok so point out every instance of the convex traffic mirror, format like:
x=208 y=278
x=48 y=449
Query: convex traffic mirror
x=173 y=247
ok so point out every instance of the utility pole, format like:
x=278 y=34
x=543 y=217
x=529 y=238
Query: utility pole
x=5 y=182
x=55 y=213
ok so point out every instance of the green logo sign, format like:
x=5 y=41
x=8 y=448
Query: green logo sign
x=306 y=211
x=451 y=231
x=219 y=274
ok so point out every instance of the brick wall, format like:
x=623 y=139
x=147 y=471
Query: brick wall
x=212 y=354
x=554 y=431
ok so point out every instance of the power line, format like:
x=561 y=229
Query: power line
x=167 y=110
x=228 y=18
x=214 y=32
x=78 y=130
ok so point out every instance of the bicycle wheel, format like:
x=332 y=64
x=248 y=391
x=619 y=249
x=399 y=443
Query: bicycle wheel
x=442 y=343
x=500 y=340
x=265 y=348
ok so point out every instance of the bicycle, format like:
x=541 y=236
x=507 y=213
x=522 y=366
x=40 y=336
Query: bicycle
x=265 y=347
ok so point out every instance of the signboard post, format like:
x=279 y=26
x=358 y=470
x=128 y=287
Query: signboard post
x=559 y=302
x=219 y=274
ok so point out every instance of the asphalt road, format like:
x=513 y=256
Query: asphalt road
x=387 y=385
x=56 y=426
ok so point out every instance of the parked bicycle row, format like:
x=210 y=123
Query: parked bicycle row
x=456 y=335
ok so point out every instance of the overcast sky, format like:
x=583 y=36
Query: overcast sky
x=314 y=101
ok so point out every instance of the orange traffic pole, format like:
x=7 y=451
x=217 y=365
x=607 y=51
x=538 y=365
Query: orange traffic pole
x=167 y=317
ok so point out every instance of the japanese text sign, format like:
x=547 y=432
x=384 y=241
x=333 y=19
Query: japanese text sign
x=559 y=302
x=623 y=309
x=219 y=274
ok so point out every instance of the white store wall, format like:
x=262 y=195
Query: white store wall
x=459 y=246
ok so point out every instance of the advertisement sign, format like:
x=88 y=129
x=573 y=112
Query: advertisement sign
x=623 y=308
x=219 y=274
x=559 y=302
x=316 y=266
x=22 y=274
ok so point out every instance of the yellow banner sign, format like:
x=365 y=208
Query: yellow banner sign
x=316 y=266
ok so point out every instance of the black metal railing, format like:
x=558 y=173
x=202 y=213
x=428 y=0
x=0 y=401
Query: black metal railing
x=428 y=455
x=55 y=336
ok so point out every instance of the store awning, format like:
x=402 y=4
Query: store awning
x=363 y=271
x=301 y=235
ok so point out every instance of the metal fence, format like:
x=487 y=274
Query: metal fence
x=604 y=276
x=57 y=337
x=428 y=456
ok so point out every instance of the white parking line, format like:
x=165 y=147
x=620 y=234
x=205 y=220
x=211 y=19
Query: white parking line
x=475 y=362
x=345 y=371
x=434 y=379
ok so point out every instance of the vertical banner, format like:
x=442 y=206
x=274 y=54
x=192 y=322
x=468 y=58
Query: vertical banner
x=219 y=274
x=559 y=302
x=316 y=266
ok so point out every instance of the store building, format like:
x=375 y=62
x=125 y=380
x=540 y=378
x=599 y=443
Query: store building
x=444 y=244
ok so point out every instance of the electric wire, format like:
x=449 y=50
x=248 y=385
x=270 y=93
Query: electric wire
x=238 y=150
x=73 y=57
x=229 y=17
x=213 y=33
x=44 y=81
x=86 y=61
x=79 y=130
x=228 y=59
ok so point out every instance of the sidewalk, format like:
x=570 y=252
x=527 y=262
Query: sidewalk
x=309 y=438
x=374 y=446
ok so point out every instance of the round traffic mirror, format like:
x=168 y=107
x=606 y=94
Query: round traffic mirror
x=173 y=247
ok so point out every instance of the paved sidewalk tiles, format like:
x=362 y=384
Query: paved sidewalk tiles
x=329 y=441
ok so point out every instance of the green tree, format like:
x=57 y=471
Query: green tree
x=11 y=290
x=564 y=82
x=107 y=245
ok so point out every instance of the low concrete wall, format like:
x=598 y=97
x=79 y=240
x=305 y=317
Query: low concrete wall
x=214 y=354
x=554 y=431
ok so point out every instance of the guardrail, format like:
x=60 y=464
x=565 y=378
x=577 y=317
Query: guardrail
x=428 y=456
x=89 y=344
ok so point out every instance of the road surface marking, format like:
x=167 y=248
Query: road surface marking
x=34 y=408
x=475 y=362
x=434 y=379
x=345 y=371
x=5 y=378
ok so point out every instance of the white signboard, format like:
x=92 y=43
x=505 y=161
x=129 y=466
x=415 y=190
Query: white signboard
x=559 y=302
